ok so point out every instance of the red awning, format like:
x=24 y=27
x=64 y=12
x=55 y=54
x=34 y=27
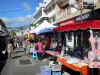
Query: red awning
x=94 y=24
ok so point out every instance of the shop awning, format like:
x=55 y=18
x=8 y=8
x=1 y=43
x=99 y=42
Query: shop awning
x=94 y=24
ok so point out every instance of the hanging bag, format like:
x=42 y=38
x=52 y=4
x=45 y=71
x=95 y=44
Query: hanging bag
x=3 y=52
x=36 y=47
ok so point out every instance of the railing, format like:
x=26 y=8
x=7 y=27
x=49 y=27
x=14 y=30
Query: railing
x=68 y=11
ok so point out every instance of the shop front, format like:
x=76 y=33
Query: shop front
x=75 y=37
x=82 y=39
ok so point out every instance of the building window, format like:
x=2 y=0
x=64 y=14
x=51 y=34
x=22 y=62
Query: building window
x=49 y=9
x=53 y=6
x=38 y=15
x=44 y=2
x=53 y=18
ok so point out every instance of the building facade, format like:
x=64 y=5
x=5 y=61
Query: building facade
x=70 y=14
x=3 y=29
x=45 y=11
x=39 y=15
x=50 y=10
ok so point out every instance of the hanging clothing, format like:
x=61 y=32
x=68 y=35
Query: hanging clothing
x=95 y=42
x=39 y=44
x=94 y=55
x=9 y=48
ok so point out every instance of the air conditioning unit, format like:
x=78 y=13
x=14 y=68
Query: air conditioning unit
x=62 y=3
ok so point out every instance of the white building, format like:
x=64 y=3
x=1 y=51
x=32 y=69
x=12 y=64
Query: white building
x=45 y=11
x=39 y=15
x=50 y=10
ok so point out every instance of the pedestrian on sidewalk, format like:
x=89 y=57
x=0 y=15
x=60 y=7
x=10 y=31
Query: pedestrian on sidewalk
x=29 y=47
x=9 y=49
x=40 y=49
x=24 y=46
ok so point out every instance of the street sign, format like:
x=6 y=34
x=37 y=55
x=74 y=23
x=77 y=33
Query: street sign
x=88 y=6
x=45 y=18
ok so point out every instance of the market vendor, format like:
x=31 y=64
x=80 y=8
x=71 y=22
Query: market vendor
x=53 y=45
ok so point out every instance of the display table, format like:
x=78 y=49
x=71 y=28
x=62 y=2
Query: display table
x=80 y=67
x=53 y=53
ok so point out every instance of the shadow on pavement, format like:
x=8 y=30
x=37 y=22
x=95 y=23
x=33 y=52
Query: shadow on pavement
x=19 y=51
x=16 y=57
x=3 y=60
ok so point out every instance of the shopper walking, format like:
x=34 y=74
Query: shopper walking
x=24 y=46
x=9 y=49
x=39 y=49
x=29 y=47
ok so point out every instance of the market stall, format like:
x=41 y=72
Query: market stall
x=53 y=53
x=44 y=25
x=85 y=45
x=80 y=67
x=81 y=40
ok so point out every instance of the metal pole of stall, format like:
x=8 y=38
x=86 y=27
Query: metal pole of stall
x=54 y=35
x=82 y=31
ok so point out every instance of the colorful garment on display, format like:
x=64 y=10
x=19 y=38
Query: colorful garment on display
x=94 y=55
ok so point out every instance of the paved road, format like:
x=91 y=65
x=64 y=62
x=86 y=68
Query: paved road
x=22 y=65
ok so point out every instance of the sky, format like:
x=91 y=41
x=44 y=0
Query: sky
x=17 y=13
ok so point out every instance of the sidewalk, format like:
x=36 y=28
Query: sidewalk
x=23 y=65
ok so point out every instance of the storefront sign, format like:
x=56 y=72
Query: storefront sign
x=88 y=6
x=67 y=22
x=45 y=18
x=84 y=17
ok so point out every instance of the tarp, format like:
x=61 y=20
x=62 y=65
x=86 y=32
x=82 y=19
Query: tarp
x=93 y=24
x=44 y=25
x=46 y=30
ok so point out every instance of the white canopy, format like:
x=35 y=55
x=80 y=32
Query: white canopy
x=44 y=25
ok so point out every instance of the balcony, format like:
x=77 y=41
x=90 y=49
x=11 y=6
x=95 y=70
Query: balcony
x=47 y=2
x=70 y=12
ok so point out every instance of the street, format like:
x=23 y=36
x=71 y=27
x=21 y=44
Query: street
x=22 y=65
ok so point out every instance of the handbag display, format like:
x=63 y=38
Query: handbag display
x=3 y=52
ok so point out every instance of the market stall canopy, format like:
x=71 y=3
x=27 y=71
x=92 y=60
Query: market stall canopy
x=93 y=24
x=46 y=30
x=44 y=25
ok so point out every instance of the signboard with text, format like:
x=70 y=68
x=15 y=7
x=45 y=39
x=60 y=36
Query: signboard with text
x=88 y=6
x=67 y=22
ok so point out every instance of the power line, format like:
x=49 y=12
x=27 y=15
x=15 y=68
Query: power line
x=13 y=10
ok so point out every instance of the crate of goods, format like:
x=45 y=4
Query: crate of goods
x=56 y=72
x=55 y=67
x=45 y=70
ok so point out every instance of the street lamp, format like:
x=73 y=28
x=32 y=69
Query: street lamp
x=87 y=4
x=72 y=3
